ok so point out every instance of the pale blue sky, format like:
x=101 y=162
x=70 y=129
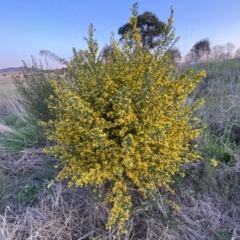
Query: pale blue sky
x=28 y=26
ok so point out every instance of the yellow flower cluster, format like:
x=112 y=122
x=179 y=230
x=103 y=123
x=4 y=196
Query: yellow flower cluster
x=214 y=162
x=123 y=122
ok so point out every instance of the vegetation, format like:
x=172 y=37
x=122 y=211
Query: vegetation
x=175 y=55
x=201 y=47
x=202 y=52
x=150 y=28
x=237 y=53
x=199 y=50
x=35 y=90
x=208 y=194
x=127 y=126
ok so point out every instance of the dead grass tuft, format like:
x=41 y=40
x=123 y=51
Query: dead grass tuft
x=26 y=161
x=209 y=199
x=66 y=213
x=62 y=214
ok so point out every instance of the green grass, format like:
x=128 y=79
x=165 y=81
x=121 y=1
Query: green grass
x=21 y=138
x=24 y=134
x=3 y=187
x=208 y=196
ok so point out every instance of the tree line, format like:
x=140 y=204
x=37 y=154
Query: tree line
x=153 y=31
x=202 y=51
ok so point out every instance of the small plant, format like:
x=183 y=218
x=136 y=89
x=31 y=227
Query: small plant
x=28 y=194
x=123 y=123
x=3 y=185
x=23 y=133
x=220 y=235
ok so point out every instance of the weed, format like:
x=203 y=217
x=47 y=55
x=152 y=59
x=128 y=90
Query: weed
x=28 y=195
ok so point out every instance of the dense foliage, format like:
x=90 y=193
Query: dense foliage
x=150 y=28
x=200 y=48
x=123 y=123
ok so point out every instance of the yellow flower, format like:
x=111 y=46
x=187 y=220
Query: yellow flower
x=214 y=162
x=122 y=123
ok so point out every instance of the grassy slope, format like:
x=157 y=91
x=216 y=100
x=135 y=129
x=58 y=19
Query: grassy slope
x=208 y=196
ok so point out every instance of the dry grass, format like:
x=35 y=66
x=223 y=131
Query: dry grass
x=4 y=128
x=7 y=94
x=63 y=213
x=6 y=78
x=60 y=215
x=208 y=197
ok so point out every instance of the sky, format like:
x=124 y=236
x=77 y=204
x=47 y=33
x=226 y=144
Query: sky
x=28 y=26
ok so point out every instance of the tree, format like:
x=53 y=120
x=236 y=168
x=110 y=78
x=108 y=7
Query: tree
x=218 y=52
x=201 y=49
x=150 y=27
x=229 y=48
x=189 y=57
x=237 y=53
x=222 y=52
x=175 y=55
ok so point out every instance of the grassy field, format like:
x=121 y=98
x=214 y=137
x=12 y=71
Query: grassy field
x=6 y=77
x=208 y=195
x=8 y=94
x=5 y=84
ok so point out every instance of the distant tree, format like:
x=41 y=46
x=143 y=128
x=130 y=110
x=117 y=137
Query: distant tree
x=237 y=53
x=229 y=48
x=201 y=49
x=189 y=57
x=218 y=52
x=150 y=27
x=175 y=55
x=223 y=52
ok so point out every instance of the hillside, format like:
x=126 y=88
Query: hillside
x=11 y=69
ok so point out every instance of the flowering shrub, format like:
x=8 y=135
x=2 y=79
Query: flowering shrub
x=123 y=122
